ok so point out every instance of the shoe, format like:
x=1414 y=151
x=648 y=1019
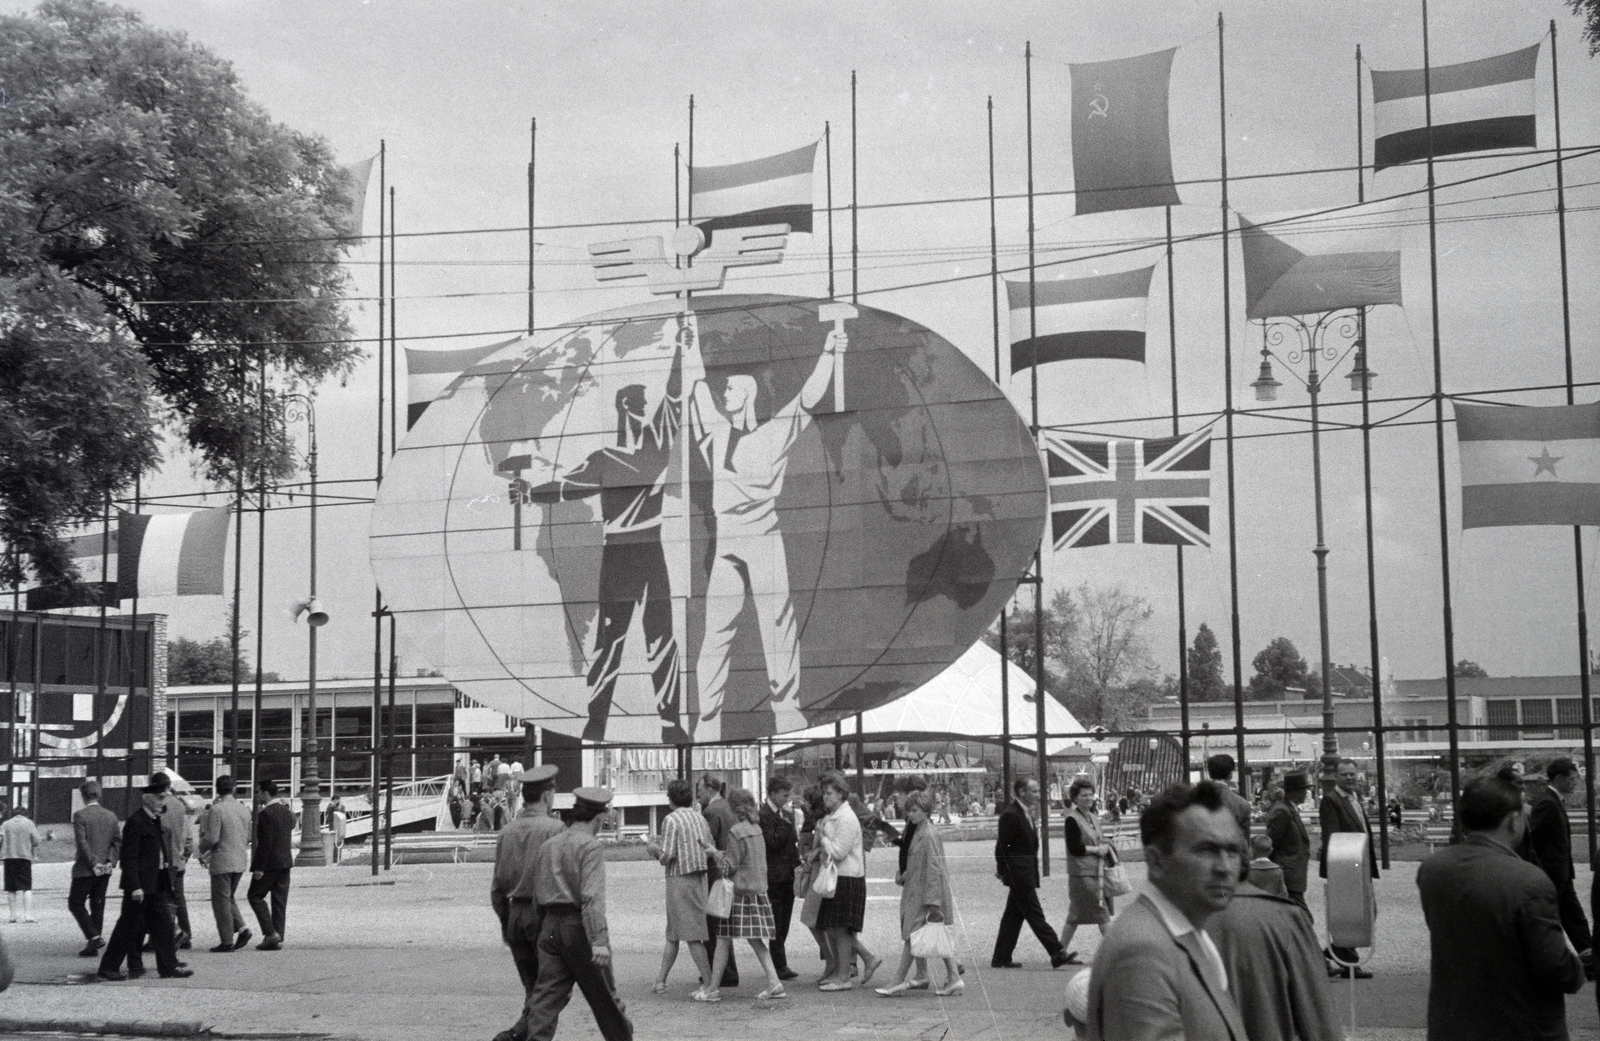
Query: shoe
x=894 y=990
x=834 y=985
x=1344 y=972
x=1005 y=965
x=961 y=970
x=866 y=977
x=658 y=987
x=953 y=990
x=1059 y=959
x=242 y=939
x=184 y=943
x=772 y=993
x=271 y=943
x=90 y=951
x=30 y=918
x=138 y=973
x=787 y=973
x=916 y=984
x=709 y=996
x=222 y=948
x=177 y=974
x=111 y=975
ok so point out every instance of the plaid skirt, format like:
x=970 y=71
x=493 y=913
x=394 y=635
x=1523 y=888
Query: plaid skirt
x=750 y=918
x=847 y=908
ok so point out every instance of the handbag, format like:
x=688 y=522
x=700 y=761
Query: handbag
x=1114 y=878
x=719 y=903
x=827 y=881
x=933 y=940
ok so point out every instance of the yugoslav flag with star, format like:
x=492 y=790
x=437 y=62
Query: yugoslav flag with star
x=1529 y=465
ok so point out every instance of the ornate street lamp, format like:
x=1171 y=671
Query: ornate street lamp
x=1331 y=336
x=310 y=611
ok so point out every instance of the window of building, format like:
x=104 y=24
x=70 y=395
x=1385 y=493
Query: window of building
x=435 y=740
x=1537 y=717
x=1569 y=711
x=195 y=746
x=1501 y=715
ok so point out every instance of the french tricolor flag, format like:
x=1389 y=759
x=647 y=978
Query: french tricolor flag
x=774 y=190
x=1478 y=106
x=171 y=554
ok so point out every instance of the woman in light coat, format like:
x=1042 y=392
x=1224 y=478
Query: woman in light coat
x=926 y=895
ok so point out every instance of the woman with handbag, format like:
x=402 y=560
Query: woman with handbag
x=806 y=873
x=925 y=905
x=748 y=913
x=1087 y=851
x=843 y=869
x=685 y=843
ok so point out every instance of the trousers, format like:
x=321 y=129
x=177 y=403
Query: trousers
x=565 y=959
x=273 y=884
x=152 y=916
x=225 y=907
x=86 y=900
x=180 y=903
x=753 y=569
x=781 y=895
x=1573 y=921
x=1022 y=905
x=522 y=936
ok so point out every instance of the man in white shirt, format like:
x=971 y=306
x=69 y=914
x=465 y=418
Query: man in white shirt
x=1157 y=974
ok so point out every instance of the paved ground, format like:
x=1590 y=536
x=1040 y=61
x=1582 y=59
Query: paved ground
x=416 y=955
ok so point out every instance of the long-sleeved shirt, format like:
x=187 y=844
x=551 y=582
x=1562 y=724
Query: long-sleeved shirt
x=840 y=833
x=18 y=838
x=783 y=851
x=570 y=868
x=514 y=855
x=97 y=834
x=274 y=849
x=746 y=859
x=684 y=838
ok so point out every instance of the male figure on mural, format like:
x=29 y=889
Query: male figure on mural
x=748 y=459
x=630 y=480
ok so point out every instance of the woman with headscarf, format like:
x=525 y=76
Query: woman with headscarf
x=926 y=894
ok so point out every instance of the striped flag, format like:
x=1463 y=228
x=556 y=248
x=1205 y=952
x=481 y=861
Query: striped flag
x=171 y=554
x=429 y=373
x=1306 y=264
x=774 y=190
x=1156 y=491
x=1478 y=106
x=360 y=177
x=1529 y=465
x=88 y=552
x=1121 y=149
x=1102 y=316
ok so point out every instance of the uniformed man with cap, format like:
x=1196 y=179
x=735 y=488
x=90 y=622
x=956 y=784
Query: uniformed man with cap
x=511 y=892
x=574 y=945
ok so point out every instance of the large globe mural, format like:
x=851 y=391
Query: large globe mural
x=711 y=521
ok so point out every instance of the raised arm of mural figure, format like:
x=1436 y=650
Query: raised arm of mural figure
x=821 y=377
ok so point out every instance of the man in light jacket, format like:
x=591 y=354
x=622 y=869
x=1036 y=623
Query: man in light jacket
x=224 y=849
x=97 y=836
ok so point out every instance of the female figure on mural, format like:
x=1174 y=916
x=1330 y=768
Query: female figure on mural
x=749 y=459
x=1087 y=851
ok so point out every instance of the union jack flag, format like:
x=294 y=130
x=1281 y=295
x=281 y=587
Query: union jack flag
x=1156 y=491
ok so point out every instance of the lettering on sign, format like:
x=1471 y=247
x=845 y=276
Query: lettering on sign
x=666 y=759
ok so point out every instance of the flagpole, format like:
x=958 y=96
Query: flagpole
x=133 y=645
x=827 y=166
x=1577 y=532
x=377 y=593
x=1227 y=412
x=100 y=662
x=238 y=584
x=994 y=299
x=533 y=157
x=855 y=271
x=1366 y=476
x=1183 y=627
x=388 y=757
x=1038 y=557
x=1438 y=432
x=261 y=571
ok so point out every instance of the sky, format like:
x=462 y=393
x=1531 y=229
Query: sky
x=451 y=88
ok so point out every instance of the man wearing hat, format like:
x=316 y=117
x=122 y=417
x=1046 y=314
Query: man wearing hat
x=146 y=892
x=511 y=892
x=574 y=944
x=1291 y=846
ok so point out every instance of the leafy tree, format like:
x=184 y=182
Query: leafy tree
x=1278 y=667
x=160 y=237
x=206 y=661
x=1469 y=670
x=1020 y=641
x=1589 y=11
x=1205 y=667
x=1111 y=670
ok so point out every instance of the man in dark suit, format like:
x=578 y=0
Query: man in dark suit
x=1016 y=855
x=783 y=857
x=270 y=864
x=1550 y=836
x=146 y=893
x=1342 y=810
x=1220 y=768
x=1500 y=960
x=1291 y=846
x=1158 y=974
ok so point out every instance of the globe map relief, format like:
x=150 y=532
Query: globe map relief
x=712 y=521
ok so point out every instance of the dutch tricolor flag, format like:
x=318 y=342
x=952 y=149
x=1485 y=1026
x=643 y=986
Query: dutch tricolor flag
x=774 y=190
x=1102 y=316
x=1478 y=106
